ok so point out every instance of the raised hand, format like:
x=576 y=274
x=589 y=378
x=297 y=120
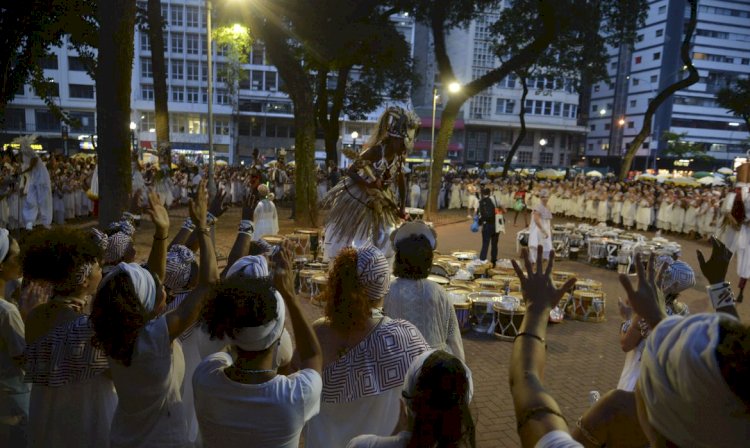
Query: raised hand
x=218 y=207
x=198 y=206
x=715 y=269
x=538 y=290
x=157 y=212
x=646 y=300
x=33 y=294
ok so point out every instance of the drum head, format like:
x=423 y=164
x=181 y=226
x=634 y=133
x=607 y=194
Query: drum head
x=439 y=279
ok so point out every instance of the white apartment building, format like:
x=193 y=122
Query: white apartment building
x=488 y=123
x=264 y=114
x=720 y=52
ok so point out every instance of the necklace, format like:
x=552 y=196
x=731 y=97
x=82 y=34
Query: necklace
x=254 y=371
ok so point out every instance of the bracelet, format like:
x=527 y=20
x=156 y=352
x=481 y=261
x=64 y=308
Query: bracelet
x=644 y=328
x=246 y=226
x=210 y=219
x=720 y=294
x=206 y=230
x=160 y=239
x=188 y=224
x=531 y=335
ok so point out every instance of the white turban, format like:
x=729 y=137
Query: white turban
x=687 y=399
x=256 y=339
x=415 y=369
x=253 y=266
x=4 y=244
x=143 y=282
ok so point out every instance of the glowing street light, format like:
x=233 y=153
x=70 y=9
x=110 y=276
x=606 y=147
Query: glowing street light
x=543 y=142
x=355 y=136
x=733 y=124
x=132 y=126
x=621 y=122
x=454 y=87
x=602 y=112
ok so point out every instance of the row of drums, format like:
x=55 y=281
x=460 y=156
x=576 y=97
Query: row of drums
x=495 y=305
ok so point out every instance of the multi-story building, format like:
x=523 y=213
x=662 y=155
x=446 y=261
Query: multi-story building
x=488 y=123
x=721 y=53
x=262 y=112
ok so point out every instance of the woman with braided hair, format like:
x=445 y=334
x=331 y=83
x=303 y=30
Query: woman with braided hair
x=363 y=205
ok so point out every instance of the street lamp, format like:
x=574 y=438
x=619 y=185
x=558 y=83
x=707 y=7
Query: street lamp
x=621 y=121
x=454 y=87
x=210 y=90
x=602 y=112
x=355 y=136
x=435 y=98
x=543 y=142
x=133 y=140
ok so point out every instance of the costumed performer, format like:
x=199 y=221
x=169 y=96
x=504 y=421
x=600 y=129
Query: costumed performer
x=37 y=204
x=363 y=205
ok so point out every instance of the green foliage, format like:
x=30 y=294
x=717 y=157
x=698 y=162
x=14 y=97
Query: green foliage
x=678 y=148
x=736 y=99
x=235 y=41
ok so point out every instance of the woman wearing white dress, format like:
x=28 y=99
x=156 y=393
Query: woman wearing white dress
x=662 y=215
x=628 y=211
x=691 y=217
x=455 y=201
x=265 y=218
x=617 y=209
x=540 y=229
x=678 y=215
x=645 y=213
x=602 y=209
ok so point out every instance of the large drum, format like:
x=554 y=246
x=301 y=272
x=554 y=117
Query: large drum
x=319 y=283
x=588 y=285
x=482 y=312
x=466 y=255
x=440 y=268
x=509 y=315
x=317 y=266
x=414 y=214
x=487 y=284
x=273 y=240
x=439 y=279
x=301 y=244
x=562 y=276
x=597 y=250
x=505 y=280
x=588 y=306
x=462 y=306
x=314 y=238
x=467 y=284
x=305 y=280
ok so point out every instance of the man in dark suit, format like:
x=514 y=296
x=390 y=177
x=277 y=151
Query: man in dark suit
x=486 y=214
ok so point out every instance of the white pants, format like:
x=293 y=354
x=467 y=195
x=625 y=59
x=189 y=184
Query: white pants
x=37 y=204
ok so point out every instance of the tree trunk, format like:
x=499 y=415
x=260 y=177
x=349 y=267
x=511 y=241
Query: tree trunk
x=522 y=130
x=692 y=78
x=447 y=120
x=161 y=108
x=305 y=177
x=331 y=137
x=113 y=75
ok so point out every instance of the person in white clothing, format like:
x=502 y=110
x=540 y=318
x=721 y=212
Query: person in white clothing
x=37 y=206
x=540 y=229
x=437 y=391
x=415 y=298
x=265 y=217
x=240 y=398
x=414 y=193
x=129 y=324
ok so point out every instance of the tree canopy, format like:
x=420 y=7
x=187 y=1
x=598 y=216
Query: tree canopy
x=736 y=99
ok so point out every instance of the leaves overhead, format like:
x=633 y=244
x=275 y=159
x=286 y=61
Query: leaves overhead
x=736 y=99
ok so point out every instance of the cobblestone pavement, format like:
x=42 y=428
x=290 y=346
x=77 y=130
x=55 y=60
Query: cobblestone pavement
x=581 y=356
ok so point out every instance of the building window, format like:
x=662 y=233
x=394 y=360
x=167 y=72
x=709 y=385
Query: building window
x=596 y=87
x=148 y=121
x=145 y=42
x=46 y=121
x=146 y=69
x=256 y=80
x=193 y=43
x=504 y=106
x=178 y=94
x=177 y=43
x=524 y=157
x=75 y=64
x=591 y=146
x=657 y=56
x=631 y=124
x=15 y=119
x=607 y=126
x=176 y=15
x=193 y=70
x=147 y=92
x=637 y=59
x=192 y=94
x=654 y=78
x=221 y=127
x=85 y=121
x=594 y=108
x=53 y=89
x=639 y=38
x=81 y=91
x=613 y=65
x=546 y=158
x=659 y=32
x=633 y=103
x=192 y=17
x=49 y=62
x=256 y=57
x=662 y=9
x=222 y=97
x=593 y=127
x=177 y=70
x=636 y=81
x=271 y=81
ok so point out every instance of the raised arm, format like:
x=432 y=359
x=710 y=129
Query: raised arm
x=241 y=245
x=308 y=347
x=537 y=412
x=187 y=313
x=157 y=259
x=215 y=210
x=715 y=271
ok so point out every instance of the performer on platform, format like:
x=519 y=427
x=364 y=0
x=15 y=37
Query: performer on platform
x=363 y=205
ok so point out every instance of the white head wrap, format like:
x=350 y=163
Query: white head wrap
x=256 y=339
x=373 y=272
x=143 y=282
x=687 y=399
x=4 y=244
x=253 y=266
x=415 y=369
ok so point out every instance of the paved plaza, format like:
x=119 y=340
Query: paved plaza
x=581 y=356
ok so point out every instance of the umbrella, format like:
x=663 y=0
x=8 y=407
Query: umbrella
x=646 y=176
x=661 y=178
x=726 y=171
x=711 y=180
x=685 y=181
x=220 y=162
x=594 y=174
x=547 y=173
x=271 y=163
x=702 y=174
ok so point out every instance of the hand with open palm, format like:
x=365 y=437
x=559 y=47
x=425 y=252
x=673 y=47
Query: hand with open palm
x=538 y=290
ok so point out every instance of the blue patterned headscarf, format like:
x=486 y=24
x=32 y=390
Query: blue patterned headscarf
x=373 y=272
